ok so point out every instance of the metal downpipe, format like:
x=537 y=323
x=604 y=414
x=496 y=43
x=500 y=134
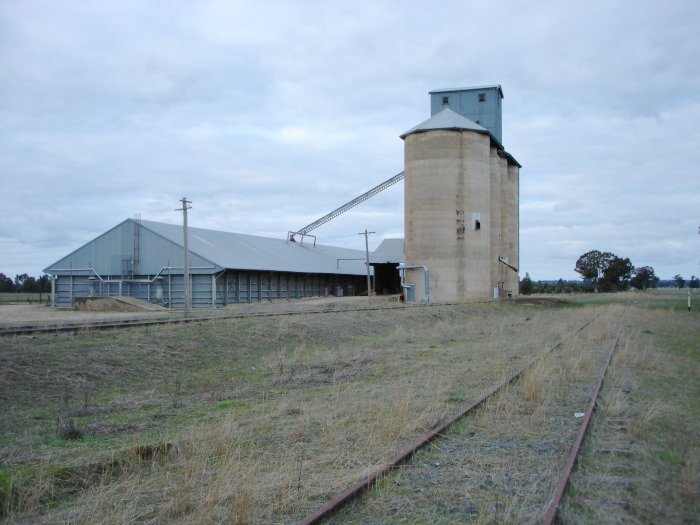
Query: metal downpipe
x=426 y=277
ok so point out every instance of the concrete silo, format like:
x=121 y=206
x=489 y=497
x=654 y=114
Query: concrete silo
x=461 y=200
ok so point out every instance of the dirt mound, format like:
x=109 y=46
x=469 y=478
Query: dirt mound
x=114 y=304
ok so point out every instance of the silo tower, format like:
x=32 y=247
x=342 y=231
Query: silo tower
x=461 y=199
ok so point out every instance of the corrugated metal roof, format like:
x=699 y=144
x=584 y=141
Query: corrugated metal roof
x=250 y=252
x=389 y=251
x=470 y=88
x=446 y=119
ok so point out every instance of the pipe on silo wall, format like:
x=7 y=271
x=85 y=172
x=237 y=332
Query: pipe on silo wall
x=495 y=169
x=506 y=217
x=426 y=279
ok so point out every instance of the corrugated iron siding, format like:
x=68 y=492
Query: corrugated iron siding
x=487 y=113
x=249 y=287
x=231 y=287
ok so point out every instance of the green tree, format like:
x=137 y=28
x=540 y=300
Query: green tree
x=43 y=284
x=644 y=277
x=617 y=274
x=29 y=285
x=680 y=282
x=604 y=270
x=694 y=282
x=19 y=280
x=526 y=285
x=591 y=265
x=6 y=284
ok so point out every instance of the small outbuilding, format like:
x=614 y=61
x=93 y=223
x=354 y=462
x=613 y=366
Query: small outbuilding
x=385 y=261
x=145 y=259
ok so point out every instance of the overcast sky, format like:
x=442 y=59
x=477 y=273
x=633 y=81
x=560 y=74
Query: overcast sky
x=267 y=115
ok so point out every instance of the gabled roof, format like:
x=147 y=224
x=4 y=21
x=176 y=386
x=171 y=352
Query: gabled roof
x=389 y=251
x=251 y=252
x=446 y=119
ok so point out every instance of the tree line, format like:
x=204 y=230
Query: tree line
x=24 y=283
x=604 y=272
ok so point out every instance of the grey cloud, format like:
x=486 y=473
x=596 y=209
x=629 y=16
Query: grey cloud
x=269 y=115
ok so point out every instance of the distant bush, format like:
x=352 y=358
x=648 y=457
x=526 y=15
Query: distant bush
x=528 y=286
x=24 y=283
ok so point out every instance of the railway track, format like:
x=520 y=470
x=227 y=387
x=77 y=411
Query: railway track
x=353 y=493
x=43 y=327
x=551 y=513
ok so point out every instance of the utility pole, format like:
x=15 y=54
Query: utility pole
x=186 y=272
x=369 y=281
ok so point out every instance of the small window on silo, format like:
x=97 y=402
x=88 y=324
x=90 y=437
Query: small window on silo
x=477 y=224
x=445 y=101
x=482 y=97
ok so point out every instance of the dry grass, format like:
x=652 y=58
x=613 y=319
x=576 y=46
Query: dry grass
x=269 y=417
x=274 y=416
x=648 y=419
x=498 y=465
x=533 y=385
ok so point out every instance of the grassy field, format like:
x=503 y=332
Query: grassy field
x=262 y=421
x=651 y=470
x=25 y=298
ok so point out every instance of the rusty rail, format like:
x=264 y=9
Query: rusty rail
x=551 y=512
x=361 y=486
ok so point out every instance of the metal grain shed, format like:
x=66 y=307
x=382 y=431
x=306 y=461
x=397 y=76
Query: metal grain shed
x=144 y=259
